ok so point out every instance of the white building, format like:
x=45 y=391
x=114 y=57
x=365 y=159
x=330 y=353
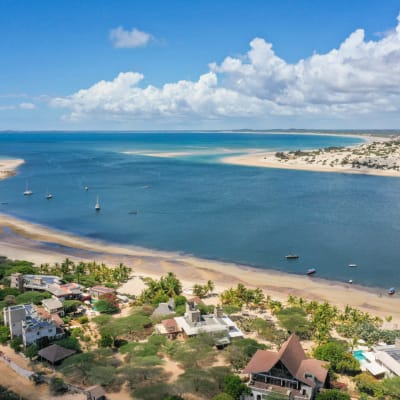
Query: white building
x=193 y=323
x=24 y=320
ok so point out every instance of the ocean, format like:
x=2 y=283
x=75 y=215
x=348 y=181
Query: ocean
x=192 y=203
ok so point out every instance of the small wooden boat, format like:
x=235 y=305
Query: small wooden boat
x=352 y=265
x=311 y=271
x=350 y=281
x=292 y=257
x=133 y=212
x=391 y=291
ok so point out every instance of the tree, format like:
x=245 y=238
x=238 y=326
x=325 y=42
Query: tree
x=71 y=305
x=332 y=394
x=294 y=320
x=340 y=359
x=16 y=344
x=235 y=387
x=32 y=297
x=240 y=351
x=391 y=387
x=4 y=334
x=31 y=351
x=107 y=304
x=57 y=386
x=223 y=396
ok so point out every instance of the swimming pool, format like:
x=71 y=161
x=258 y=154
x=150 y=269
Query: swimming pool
x=359 y=355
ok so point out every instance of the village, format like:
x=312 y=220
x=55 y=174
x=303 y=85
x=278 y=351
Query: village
x=70 y=331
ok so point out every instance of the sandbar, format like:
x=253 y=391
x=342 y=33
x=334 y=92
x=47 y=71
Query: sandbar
x=8 y=167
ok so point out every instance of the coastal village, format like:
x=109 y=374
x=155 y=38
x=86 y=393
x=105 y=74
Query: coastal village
x=69 y=331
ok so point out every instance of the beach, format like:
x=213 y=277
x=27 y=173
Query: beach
x=27 y=241
x=374 y=157
x=8 y=167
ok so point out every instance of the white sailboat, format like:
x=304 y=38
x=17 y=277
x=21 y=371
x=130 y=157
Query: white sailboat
x=48 y=195
x=97 y=206
x=27 y=192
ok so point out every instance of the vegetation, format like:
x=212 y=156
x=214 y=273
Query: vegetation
x=203 y=290
x=332 y=394
x=294 y=320
x=161 y=290
x=240 y=296
x=107 y=304
x=340 y=360
x=57 y=386
x=87 y=274
x=234 y=387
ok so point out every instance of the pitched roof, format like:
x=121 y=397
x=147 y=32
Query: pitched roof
x=292 y=355
x=55 y=353
x=96 y=391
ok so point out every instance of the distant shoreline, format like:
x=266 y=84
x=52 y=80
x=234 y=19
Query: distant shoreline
x=24 y=240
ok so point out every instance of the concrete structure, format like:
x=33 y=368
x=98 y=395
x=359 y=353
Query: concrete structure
x=53 y=306
x=48 y=283
x=287 y=372
x=24 y=320
x=193 y=323
x=97 y=291
x=388 y=357
x=13 y=317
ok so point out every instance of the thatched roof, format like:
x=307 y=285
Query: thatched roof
x=55 y=353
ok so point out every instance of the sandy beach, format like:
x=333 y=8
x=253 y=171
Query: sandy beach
x=8 y=167
x=338 y=160
x=23 y=240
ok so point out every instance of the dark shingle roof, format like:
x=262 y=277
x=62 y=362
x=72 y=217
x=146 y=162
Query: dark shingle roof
x=55 y=353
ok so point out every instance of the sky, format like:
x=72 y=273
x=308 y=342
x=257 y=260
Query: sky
x=185 y=64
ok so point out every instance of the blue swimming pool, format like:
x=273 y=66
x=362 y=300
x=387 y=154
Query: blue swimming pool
x=359 y=355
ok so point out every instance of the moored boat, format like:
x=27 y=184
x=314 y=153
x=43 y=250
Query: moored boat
x=391 y=291
x=352 y=265
x=97 y=206
x=292 y=257
x=28 y=192
x=311 y=271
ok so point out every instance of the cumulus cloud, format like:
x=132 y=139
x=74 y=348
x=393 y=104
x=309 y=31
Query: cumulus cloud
x=122 y=38
x=358 y=78
x=27 y=106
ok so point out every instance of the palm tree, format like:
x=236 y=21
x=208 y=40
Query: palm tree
x=210 y=286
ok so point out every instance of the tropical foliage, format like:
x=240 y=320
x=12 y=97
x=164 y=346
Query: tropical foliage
x=161 y=290
x=240 y=296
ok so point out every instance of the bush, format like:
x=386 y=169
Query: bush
x=332 y=394
x=57 y=386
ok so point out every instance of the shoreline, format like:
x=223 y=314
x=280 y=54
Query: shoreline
x=32 y=242
x=268 y=159
x=8 y=167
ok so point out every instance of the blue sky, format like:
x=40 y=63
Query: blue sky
x=51 y=50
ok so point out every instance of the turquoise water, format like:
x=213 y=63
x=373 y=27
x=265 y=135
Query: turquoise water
x=359 y=355
x=196 y=205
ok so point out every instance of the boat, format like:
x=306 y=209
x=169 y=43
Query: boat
x=97 y=206
x=48 y=195
x=352 y=265
x=86 y=188
x=27 y=192
x=292 y=257
x=134 y=212
x=311 y=271
x=350 y=281
x=391 y=291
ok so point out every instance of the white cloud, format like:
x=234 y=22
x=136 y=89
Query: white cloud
x=358 y=78
x=27 y=106
x=122 y=38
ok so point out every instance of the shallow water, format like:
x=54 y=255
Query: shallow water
x=196 y=205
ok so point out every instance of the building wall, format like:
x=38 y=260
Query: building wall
x=13 y=318
x=31 y=335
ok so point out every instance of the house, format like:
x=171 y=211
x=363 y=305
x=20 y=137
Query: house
x=53 y=306
x=287 y=372
x=388 y=358
x=95 y=393
x=98 y=291
x=48 y=283
x=25 y=320
x=169 y=328
x=193 y=323
x=164 y=309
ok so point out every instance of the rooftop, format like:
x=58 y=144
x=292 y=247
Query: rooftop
x=55 y=353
